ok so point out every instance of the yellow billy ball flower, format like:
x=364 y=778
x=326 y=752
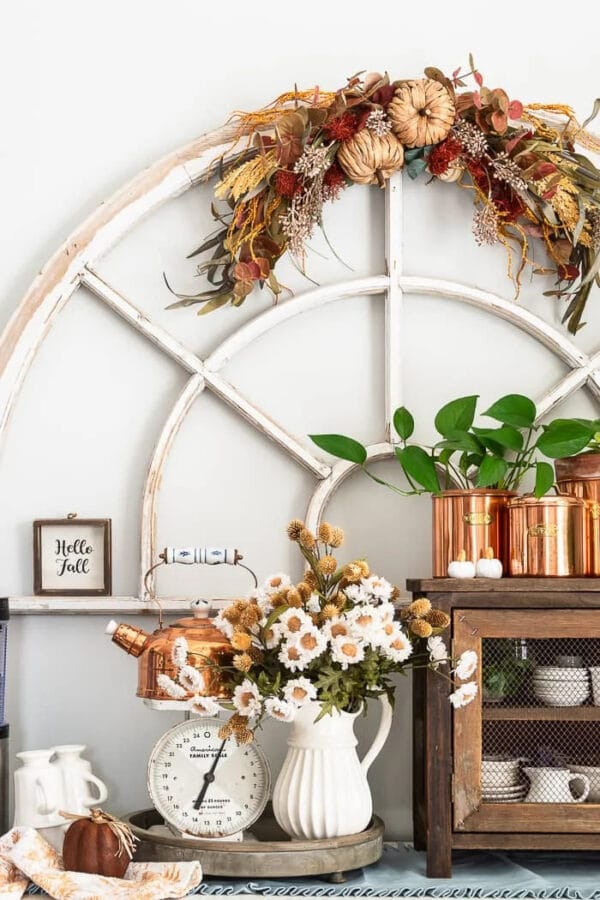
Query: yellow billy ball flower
x=294 y=598
x=353 y=572
x=337 y=537
x=304 y=589
x=420 y=607
x=438 y=618
x=364 y=567
x=310 y=579
x=241 y=641
x=325 y=532
x=306 y=539
x=327 y=565
x=330 y=610
x=225 y=731
x=242 y=662
x=295 y=529
x=421 y=628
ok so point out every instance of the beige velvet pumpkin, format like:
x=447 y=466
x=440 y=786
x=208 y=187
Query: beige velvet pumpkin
x=368 y=158
x=422 y=112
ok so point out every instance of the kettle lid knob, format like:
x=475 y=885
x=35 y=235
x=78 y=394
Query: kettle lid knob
x=201 y=609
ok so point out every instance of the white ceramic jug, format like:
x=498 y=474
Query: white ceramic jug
x=322 y=789
x=76 y=774
x=38 y=790
x=549 y=785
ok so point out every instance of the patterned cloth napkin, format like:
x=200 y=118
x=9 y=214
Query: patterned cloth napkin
x=25 y=857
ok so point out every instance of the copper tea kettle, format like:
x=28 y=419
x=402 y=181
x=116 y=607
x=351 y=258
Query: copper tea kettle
x=206 y=644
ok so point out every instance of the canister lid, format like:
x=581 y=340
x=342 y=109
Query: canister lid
x=4 y=613
x=550 y=500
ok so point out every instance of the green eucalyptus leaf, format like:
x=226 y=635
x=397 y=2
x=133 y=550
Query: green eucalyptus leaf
x=415 y=167
x=418 y=465
x=564 y=437
x=456 y=416
x=491 y=471
x=404 y=423
x=544 y=478
x=513 y=409
x=341 y=446
x=507 y=436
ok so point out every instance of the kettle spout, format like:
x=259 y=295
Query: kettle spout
x=128 y=637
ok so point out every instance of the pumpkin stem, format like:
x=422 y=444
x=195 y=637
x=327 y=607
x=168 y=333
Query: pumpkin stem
x=380 y=178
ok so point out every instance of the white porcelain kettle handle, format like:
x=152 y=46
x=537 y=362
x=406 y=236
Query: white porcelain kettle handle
x=385 y=723
x=102 y=790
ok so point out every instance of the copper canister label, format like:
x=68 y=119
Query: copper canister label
x=478 y=518
x=543 y=530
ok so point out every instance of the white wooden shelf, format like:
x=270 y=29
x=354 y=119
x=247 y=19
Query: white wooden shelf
x=100 y=606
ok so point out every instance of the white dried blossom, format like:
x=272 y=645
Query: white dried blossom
x=466 y=665
x=472 y=139
x=170 y=687
x=505 y=169
x=179 y=652
x=191 y=679
x=463 y=695
x=378 y=122
x=282 y=710
x=485 y=225
x=204 y=706
x=313 y=162
x=438 y=652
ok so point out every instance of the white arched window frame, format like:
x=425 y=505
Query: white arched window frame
x=74 y=265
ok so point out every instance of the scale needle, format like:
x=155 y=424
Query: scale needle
x=209 y=777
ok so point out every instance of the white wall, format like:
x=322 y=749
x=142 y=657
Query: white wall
x=91 y=94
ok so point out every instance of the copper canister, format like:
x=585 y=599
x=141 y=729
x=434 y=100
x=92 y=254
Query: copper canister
x=580 y=476
x=548 y=536
x=471 y=521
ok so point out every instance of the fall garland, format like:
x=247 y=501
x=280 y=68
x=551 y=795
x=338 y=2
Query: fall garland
x=520 y=162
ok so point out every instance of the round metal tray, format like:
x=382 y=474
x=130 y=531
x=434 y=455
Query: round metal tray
x=272 y=853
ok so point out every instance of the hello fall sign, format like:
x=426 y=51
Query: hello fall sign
x=72 y=556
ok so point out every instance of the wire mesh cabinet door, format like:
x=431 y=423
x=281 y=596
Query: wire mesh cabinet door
x=527 y=750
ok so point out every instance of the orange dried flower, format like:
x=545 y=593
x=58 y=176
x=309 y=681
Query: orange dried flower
x=325 y=532
x=307 y=539
x=421 y=628
x=241 y=640
x=294 y=529
x=420 y=607
x=327 y=565
x=438 y=618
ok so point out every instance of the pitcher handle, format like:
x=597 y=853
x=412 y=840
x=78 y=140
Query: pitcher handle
x=385 y=723
x=586 y=787
x=102 y=790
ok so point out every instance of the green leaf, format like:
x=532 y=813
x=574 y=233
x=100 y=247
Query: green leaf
x=506 y=436
x=341 y=446
x=564 y=437
x=403 y=423
x=544 y=478
x=461 y=440
x=513 y=409
x=455 y=416
x=419 y=466
x=415 y=167
x=491 y=471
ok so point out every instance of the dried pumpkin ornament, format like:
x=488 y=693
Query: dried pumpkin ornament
x=98 y=844
x=368 y=158
x=422 y=112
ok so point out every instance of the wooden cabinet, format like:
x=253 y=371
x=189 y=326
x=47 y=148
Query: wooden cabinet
x=520 y=766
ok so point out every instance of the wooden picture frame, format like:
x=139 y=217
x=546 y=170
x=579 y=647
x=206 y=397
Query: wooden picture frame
x=72 y=557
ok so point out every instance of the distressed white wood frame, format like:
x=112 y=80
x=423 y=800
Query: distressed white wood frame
x=74 y=265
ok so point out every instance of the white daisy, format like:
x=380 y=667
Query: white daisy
x=313 y=604
x=191 y=679
x=438 y=652
x=204 y=706
x=397 y=645
x=179 y=652
x=466 y=665
x=170 y=687
x=311 y=641
x=339 y=626
x=275 y=583
x=347 y=651
x=272 y=636
x=292 y=656
x=293 y=621
x=300 y=691
x=356 y=593
x=365 y=622
x=223 y=625
x=247 y=698
x=378 y=588
x=386 y=611
x=282 y=710
x=464 y=694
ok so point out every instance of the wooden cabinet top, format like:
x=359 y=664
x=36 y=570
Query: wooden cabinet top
x=503 y=585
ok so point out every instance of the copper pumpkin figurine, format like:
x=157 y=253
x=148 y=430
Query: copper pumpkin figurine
x=98 y=844
x=206 y=646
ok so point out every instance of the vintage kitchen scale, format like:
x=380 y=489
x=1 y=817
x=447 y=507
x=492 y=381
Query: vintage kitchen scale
x=210 y=795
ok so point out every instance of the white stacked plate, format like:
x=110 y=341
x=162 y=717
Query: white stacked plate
x=561 y=686
x=514 y=794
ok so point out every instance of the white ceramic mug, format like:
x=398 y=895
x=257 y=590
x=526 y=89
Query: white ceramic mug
x=551 y=785
x=592 y=773
x=77 y=779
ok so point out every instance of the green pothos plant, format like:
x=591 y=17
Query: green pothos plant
x=499 y=455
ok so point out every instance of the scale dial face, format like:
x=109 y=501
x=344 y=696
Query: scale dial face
x=204 y=786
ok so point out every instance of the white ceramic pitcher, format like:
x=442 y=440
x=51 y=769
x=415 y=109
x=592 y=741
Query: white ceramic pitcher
x=322 y=789
x=38 y=790
x=550 y=785
x=76 y=774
